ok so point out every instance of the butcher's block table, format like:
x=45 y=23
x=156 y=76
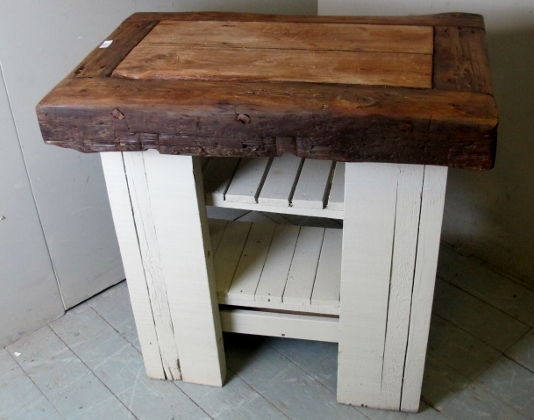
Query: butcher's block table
x=353 y=118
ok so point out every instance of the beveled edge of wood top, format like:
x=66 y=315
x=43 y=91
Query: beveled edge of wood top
x=440 y=19
x=338 y=122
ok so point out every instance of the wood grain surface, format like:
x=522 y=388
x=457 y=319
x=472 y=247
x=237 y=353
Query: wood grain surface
x=443 y=19
x=171 y=62
x=461 y=60
x=338 y=122
x=102 y=61
x=272 y=100
x=291 y=35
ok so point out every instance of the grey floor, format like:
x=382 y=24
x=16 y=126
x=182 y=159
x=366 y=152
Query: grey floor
x=88 y=364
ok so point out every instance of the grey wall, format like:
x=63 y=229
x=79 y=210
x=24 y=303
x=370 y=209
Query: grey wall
x=29 y=295
x=488 y=214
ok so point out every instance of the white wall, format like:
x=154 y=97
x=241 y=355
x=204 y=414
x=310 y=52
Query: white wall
x=488 y=214
x=26 y=276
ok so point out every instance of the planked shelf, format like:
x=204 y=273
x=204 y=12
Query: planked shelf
x=286 y=184
x=280 y=267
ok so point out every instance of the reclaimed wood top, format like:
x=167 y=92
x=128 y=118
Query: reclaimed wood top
x=378 y=89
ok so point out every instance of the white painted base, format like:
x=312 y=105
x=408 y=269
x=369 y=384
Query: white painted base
x=385 y=261
x=160 y=218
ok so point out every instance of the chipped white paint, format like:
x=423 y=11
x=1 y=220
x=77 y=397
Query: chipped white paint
x=149 y=248
x=432 y=204
x=121 y=208
x=387 y=279
x=179 y=216
x=157 y=201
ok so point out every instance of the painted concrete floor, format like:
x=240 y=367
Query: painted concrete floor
x=88 y=364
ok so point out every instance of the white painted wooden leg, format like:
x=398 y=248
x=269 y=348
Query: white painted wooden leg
x=142 y=288
x=166 y=200
x=424 y=282
x=390 y=212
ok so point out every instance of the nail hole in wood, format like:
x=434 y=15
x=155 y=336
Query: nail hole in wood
x=244 y=118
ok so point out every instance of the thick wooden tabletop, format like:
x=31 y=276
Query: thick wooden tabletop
x=396 y=89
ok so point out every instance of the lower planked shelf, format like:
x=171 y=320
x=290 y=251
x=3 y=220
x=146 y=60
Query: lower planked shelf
x=277 y=267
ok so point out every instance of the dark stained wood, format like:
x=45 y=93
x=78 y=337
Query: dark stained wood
x=452 y=123
x=461 y=60
x=340 y=122
x=442 y=19
x=102 y=61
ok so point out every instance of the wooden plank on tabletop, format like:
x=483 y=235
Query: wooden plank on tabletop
x=177 y=62
x=293 y=36
x=444 y=19
x=461 y=60
x=106 y=57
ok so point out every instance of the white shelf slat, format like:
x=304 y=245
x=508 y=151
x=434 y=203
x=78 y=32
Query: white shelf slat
x=250 y=266
x=326 y=288
x=337 y=191
x=280 y=181
x=274 y=275
x=228 y=253
x=248 y=180
x=299 y=286
x=313 y=184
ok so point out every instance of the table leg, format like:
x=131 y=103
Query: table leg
x=391 y=237
x=158 y=208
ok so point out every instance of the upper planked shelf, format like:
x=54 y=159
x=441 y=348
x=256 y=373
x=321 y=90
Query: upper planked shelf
x=378 y=89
